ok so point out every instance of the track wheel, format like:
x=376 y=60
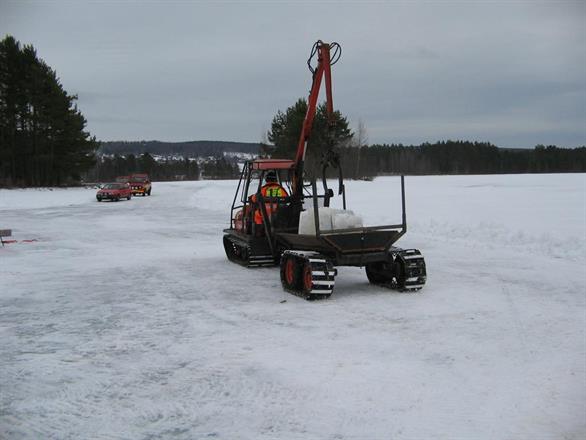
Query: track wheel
x=398 y=281
x=378 y=273
x=388 y=274
x=307 y=279
x=234 y=251
x=290 y=273
x=230 y=249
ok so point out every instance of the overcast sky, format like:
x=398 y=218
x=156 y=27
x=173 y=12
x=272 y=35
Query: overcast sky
x=512 y=73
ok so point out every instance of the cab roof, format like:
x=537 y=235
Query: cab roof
x=272 y=164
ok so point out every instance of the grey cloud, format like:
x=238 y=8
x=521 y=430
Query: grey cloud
x=512 y=73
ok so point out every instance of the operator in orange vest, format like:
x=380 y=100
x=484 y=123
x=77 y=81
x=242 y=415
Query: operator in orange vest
x=271 y=188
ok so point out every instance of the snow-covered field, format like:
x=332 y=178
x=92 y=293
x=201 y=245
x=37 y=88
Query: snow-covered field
x=125 y=320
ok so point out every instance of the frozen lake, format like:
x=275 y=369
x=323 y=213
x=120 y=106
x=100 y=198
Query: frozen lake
x=125 y=320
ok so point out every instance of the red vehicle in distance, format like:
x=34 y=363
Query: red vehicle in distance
x=114 y=191
x=140 y=184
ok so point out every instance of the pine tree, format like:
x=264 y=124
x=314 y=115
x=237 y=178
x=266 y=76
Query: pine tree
x=42 y=137
x=286 y=130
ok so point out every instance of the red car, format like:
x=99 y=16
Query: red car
x=114 y=192
x=140 y=184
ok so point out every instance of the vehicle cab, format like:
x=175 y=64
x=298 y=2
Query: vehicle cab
x=254 y=208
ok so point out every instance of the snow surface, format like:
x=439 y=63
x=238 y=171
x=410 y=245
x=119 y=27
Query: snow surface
x=126 y=321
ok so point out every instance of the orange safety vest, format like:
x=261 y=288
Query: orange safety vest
x=269 y=190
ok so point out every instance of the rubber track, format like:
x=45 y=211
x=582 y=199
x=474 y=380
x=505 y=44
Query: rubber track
x=415 y=270
x=323 y=274
x=241 y=253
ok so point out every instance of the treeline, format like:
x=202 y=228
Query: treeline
x=42 y=137
x=191 y=148
x=459 y=157
x=445 y=157
x=108 y=168
x=220 y=168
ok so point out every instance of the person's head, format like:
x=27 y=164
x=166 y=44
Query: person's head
x=271 y=177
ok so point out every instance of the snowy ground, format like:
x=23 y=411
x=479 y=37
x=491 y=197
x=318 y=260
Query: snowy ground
x=124 y=320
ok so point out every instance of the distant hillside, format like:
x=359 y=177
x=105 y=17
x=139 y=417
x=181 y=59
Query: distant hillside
x=192 y=148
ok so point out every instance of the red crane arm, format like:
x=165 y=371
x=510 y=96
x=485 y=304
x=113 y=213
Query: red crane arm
x=323 y=68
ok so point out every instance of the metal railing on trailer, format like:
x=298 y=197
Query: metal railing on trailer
x=319 y=233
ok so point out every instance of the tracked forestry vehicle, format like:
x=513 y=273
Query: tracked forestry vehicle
x=279 y=223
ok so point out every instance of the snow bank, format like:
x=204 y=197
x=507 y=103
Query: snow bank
x=45 y=197
x=329 y=219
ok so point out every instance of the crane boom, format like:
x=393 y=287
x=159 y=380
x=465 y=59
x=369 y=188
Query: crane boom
x=321 y=71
